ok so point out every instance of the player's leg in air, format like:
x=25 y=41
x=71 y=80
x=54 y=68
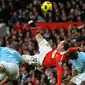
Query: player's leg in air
x=44 y=46
x=41 y=41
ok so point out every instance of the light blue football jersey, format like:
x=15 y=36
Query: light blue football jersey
x=10 y=55
x=79 y=63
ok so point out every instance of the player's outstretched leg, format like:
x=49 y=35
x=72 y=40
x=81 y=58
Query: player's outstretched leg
x=44 y=46
x=35 y=31
x=41 y=41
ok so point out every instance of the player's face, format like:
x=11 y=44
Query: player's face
x=60 y=46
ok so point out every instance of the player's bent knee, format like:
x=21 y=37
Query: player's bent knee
x=2 y=68
x=26 y=58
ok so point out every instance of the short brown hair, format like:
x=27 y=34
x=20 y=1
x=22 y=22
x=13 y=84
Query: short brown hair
x=66 y=45
x=14 y=45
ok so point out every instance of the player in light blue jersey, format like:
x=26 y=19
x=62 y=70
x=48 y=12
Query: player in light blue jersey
x=10 y=62
x=78 y=63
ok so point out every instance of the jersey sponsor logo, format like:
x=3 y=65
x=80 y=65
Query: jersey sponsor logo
x=54 y=53
x=60 y=63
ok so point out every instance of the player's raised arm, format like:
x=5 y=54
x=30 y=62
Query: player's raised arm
x=74 y=49
x=59 y=74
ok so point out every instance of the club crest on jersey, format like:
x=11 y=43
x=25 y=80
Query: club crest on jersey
x=57 y=55
x=60 y=63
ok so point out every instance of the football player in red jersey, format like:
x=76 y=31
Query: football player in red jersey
x=48 y=57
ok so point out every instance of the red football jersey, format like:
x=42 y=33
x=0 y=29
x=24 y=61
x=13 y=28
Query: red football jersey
x=55 y=58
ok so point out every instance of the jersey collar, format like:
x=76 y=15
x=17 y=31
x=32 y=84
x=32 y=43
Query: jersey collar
x=62 y=53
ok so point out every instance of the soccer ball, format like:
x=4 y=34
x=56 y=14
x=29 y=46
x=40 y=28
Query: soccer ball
x=46 y=7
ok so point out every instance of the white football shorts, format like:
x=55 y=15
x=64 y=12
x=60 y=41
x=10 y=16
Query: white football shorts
x=12 y=70
x=78 y=78
x=44 y=48
x=2 y=76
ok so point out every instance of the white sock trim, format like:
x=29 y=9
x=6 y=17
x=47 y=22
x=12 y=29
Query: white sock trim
x=30 y=21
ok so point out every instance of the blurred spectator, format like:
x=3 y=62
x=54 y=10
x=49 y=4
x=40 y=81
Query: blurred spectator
x=17 y=26
x=14 y=19
x=47 y=33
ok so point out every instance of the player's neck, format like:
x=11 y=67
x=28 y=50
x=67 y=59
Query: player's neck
x=63 y=52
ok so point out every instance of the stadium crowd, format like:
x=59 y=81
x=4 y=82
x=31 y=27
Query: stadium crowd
x=67 y=10
x=17 y=11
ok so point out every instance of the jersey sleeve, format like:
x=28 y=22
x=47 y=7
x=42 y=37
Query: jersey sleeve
x=59 y=69
x=73 y=49
x=59 y=74
x=70 y=50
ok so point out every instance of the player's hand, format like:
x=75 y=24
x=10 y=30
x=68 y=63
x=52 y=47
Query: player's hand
x=80 y=49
